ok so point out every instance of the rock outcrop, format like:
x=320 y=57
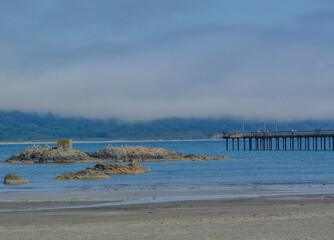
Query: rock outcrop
x=13 y=178
x=49 y=155
x=138 y=153
x=112 y=169
x=108 y=154
x=194 y=157
x=103 y=170
x=89 y=173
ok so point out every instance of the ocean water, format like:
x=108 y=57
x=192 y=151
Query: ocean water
x=304 y=171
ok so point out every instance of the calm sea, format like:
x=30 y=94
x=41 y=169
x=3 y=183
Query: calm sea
x=311 y=171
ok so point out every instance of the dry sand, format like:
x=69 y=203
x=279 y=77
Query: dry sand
x=285 y=217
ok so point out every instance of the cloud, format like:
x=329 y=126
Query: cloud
x=157 y=59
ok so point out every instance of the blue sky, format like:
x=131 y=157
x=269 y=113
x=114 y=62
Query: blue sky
x=151 y=59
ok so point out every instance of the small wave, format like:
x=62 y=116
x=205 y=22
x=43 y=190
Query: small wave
x=291 y=183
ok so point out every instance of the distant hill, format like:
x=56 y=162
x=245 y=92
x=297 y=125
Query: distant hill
x=19 y=126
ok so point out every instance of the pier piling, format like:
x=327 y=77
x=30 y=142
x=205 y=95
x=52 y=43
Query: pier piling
x=297 y=140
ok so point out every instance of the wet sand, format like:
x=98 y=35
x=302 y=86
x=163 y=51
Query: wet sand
x=279 y=217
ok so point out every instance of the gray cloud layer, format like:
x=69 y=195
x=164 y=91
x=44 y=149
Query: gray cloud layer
x=139 y=60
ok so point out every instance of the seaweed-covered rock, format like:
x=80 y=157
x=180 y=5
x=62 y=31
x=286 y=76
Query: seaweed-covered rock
x=13 y=178
x=89 y=173
x=112 y=169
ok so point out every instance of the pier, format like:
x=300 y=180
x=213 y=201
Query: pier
x=286 y=140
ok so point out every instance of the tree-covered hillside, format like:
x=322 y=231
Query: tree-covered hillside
x=19 y=126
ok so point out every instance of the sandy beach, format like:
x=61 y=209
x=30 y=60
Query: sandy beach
x=279 y=217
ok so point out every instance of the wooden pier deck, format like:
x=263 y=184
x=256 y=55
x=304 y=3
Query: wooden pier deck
x=286 y=140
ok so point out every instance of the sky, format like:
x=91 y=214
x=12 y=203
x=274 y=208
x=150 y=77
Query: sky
x=153 y=59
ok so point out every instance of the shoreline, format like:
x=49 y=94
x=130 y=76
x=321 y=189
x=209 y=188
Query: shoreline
x=11 y=201
x=280 y=217
x=36 y=206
